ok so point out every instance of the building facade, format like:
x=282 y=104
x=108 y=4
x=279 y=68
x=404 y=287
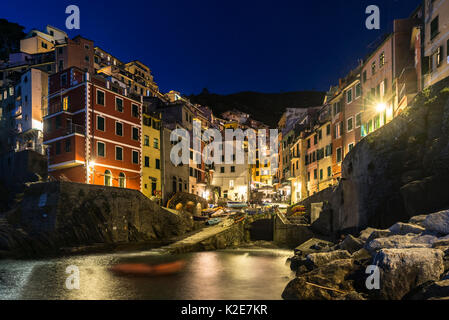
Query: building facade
x=93 y=132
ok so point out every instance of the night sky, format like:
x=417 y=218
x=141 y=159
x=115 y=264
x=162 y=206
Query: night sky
x=226 y=46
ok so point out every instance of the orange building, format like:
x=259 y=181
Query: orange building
x=93 y=130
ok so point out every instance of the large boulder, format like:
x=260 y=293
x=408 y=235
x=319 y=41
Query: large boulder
x=438 y=222
x=371 y=234
x=319 y=259
x=329 y=282
x=406 y=228
x=313 y=245
x=351 y=244
x=418 y=219
x=403 y=270
x=401 y=242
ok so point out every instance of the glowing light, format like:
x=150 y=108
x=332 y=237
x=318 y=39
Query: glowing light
x=381 y=107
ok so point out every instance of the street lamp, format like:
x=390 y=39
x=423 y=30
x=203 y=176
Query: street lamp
x=381 y=107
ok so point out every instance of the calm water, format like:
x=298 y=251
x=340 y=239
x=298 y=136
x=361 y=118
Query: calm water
x=222 y=275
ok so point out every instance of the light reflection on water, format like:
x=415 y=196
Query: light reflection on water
x=222 y=275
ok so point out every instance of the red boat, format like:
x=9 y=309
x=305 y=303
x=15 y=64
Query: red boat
x=146 y=270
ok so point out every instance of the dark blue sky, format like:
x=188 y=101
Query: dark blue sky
x=225 y=46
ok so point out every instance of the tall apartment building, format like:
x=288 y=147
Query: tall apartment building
x=77 y=52
x=93 y=131
x=151 y=155
x=42 y=41
x=436 y=41
x=30 y=100
x=232 y=180
x=377 y=87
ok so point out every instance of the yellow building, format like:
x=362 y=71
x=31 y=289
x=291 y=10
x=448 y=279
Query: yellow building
x=151 y=156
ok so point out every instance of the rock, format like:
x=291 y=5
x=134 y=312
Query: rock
x=351 y=244
x=313 y=245
x=361 y=255
x=371 y=233
x=319 y=259
x=332 y=276
x=403 y=270
x=441 y=242
x=438 y=289
x=418 y=219
x=400 y=242
x=438 y=222
x=406 y=228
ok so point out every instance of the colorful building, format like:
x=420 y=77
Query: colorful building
x=436 y=41
x=151 y=155
x=93 y=131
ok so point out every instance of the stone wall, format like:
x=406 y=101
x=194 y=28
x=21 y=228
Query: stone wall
x=65 y=214
x=290 y=235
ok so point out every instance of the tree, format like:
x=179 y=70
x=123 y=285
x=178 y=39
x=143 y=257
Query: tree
x=10 y=35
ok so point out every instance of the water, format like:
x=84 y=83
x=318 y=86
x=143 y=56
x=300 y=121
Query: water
x=220 y=275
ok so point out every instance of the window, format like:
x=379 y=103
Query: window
x=108 y=178
x=100 y=123
x=100 y=98
x=146 y=141
x=44 y=45
x=381 y=60
x=222 y=170
x=65 y=103
x=315 y=140
x=434 y=28
x=364 y=76
x=156 y=143
x=350 y=147
x=118 y=104
x=119 y=129
x=68 y=145
x=358 y=90
x=158 y=164
x=58 y=147
x=337 y=108
x=135 y=110
x=349 y=96
x=321 y=174
x=231 y=184
x=373 y=68
x=329 y=171
x=315 y=174
x=119 y=153
x=338 y=130
x=232 y=169
x=147 y=162
x=328 y=129
x=58 y=122
x=308 y=176
x=135 y=134
x=339 y=155
x=135 y=157
x=121 y=180
x=358 y=120
x=61 y=65
x=63 y=80
x=350 y=124
x=101 y=149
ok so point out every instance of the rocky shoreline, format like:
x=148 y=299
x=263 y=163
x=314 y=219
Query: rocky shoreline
x=412 y=260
